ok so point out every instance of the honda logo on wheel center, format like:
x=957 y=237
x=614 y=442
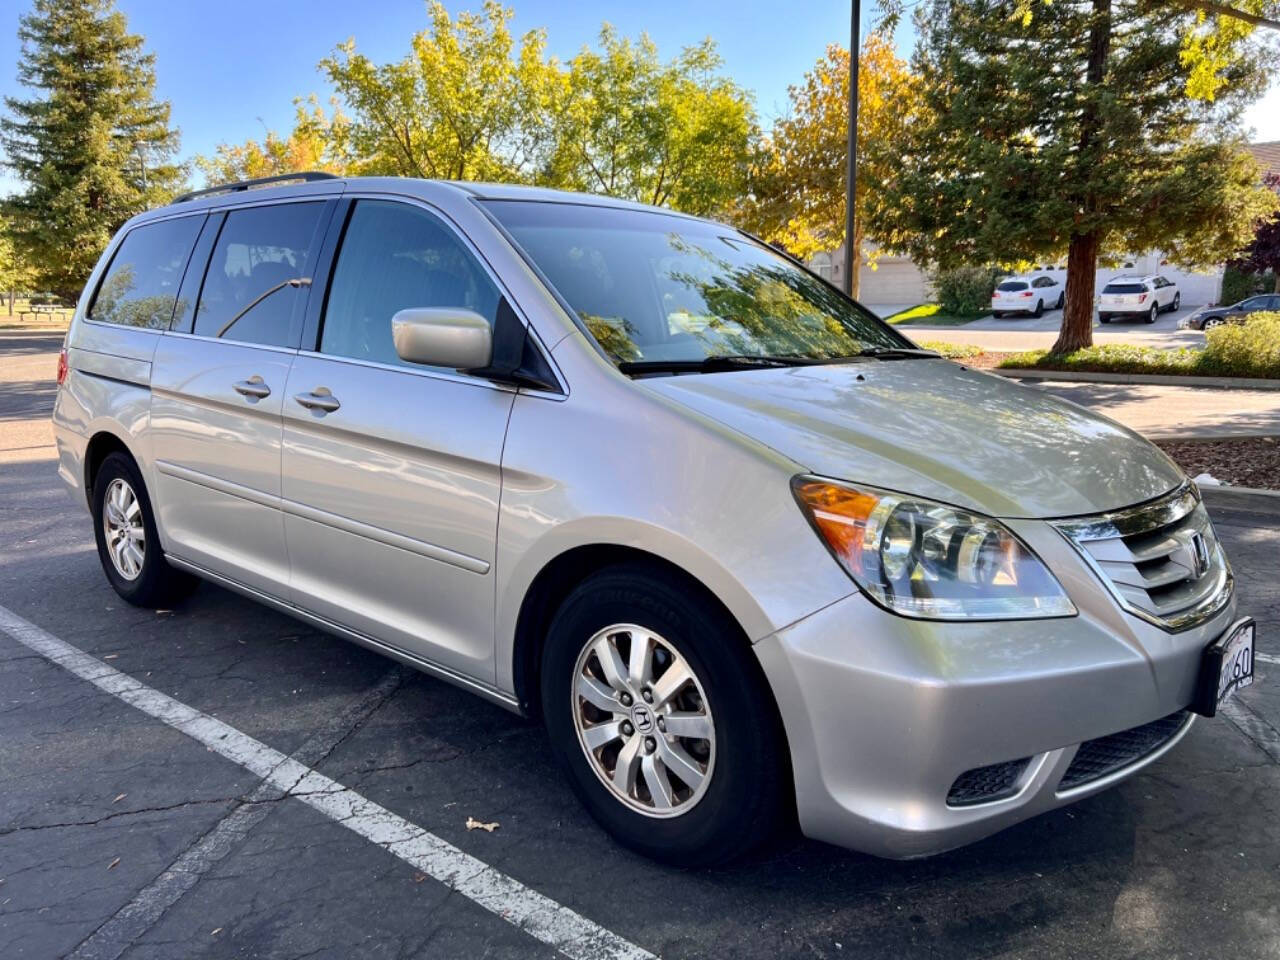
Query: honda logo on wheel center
x=642 y=717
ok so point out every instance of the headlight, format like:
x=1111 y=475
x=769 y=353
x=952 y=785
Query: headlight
x=925 y=559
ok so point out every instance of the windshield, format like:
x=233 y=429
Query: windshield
x=1012 y=285
x=649 y=287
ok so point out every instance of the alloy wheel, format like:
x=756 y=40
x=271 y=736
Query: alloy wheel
x=643 y=720
x=126 y=535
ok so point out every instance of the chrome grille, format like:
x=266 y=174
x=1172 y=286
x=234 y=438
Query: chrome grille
x=1161 y=560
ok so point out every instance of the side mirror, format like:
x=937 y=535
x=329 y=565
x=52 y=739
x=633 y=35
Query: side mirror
x=443 y=337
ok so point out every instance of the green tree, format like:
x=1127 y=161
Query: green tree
x=677 y=134
x=91 y=146
x=1071 y=129
x=465 y=104
x=318 y=141
x=798 y=184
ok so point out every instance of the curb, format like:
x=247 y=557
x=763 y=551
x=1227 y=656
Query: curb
x=30 y=333
x=1250 y=498
x=1136 y=379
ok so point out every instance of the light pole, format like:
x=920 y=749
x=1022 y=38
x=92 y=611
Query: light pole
x=851 y=176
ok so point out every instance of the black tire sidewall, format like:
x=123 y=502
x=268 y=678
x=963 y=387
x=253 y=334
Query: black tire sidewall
x=151 y=585
x=742 y=805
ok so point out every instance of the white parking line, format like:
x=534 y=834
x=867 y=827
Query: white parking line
x=535 y=914
x=1266 y=658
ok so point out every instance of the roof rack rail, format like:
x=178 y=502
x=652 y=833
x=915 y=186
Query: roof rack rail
x=304 y=176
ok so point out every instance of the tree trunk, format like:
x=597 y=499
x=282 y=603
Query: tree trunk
x=1277 y=272
x=1077 y=316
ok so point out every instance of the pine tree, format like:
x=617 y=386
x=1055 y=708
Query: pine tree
x=92 y=145
x=1070 y=129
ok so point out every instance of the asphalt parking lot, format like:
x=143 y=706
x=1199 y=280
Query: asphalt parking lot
x=132 y=824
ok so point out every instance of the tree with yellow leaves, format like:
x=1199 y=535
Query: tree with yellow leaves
x=317 y=142
x=798 y=195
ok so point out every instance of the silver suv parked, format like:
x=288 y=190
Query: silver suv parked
x=746 y=551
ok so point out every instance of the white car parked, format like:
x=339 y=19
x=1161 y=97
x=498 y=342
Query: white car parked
x=1138 y=298
x=1031 y=294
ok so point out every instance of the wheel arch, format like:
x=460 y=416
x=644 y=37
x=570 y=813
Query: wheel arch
x=558 y=577
x=102 y=444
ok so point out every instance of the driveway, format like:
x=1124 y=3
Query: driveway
x=219 y=780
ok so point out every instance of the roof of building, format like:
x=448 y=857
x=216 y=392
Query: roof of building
x=1267 y=154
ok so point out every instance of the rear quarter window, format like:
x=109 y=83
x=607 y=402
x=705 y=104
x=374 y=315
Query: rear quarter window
x=140 y=287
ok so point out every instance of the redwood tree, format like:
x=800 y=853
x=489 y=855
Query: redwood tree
x=1071 y=130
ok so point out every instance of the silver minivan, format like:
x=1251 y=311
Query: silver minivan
x=751 y=556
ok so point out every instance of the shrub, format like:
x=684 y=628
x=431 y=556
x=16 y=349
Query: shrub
x=1237 y=285
x=1249 y=349
x=965 y=290
x=1234 y=350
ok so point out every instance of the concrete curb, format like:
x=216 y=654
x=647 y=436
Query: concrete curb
x=1248 y=498
x=32 y=333
x=1137 y=379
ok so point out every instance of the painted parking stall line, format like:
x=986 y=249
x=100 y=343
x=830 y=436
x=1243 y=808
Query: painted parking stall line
x=537 y=915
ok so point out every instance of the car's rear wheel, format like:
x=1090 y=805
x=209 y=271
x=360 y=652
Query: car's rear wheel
x=128 y=545
x=661 y=719
x=1177 y=302
x=1154 y=313
x=1104 y=318
x=1039 y=311
x=997 y=314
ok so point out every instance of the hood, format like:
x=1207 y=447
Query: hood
x=938 y=430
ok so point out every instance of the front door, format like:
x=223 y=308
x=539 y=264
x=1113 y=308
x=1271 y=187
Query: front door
x=391 y=471
x=218 y=385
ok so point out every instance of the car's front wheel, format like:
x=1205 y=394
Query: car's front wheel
x=662 y=720
x=1213 y=322
x=1177 y=302
x=128 y=545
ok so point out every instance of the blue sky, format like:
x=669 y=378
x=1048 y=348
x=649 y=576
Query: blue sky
x=232 y=74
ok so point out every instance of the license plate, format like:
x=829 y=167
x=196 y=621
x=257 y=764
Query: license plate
x=1225 y=667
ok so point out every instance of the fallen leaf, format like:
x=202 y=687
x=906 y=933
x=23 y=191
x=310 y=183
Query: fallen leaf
x=214 y=933
x=474 y=824
x=111 y=656
x=119 y=798
x=419 y=877
x=112 y=864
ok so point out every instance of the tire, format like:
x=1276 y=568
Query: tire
x=996 y=315
x=136 y=568
x=1104 y=318
x=1062 y=300
x=1154 y=313
x=1212 y=322
x=744 y=795
x=1039 y=311
x=1177 y=302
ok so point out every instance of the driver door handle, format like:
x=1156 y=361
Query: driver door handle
x=253 y=388
x=319 y=400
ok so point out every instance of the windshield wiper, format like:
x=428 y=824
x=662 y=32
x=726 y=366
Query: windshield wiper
x=714 y=364
x=896 y=353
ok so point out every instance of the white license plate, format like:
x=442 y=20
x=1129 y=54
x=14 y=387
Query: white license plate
x=1227 y=666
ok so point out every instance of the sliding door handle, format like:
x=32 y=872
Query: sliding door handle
x=253 y=388
x=318 y=400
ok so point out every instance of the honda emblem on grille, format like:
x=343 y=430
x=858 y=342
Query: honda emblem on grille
x=1199 y=555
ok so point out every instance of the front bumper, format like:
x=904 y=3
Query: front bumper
x=883 y=713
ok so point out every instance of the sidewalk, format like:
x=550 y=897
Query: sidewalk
x=1175 y=412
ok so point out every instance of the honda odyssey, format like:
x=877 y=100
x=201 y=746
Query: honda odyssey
x=749 y=554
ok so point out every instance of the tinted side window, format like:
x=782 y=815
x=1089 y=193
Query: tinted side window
x=140 y=287
x=246 y=294
x=395 y=256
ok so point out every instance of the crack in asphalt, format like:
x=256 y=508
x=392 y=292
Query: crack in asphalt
x=148 y=907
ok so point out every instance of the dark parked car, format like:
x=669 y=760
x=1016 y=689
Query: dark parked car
x=1235 y=313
